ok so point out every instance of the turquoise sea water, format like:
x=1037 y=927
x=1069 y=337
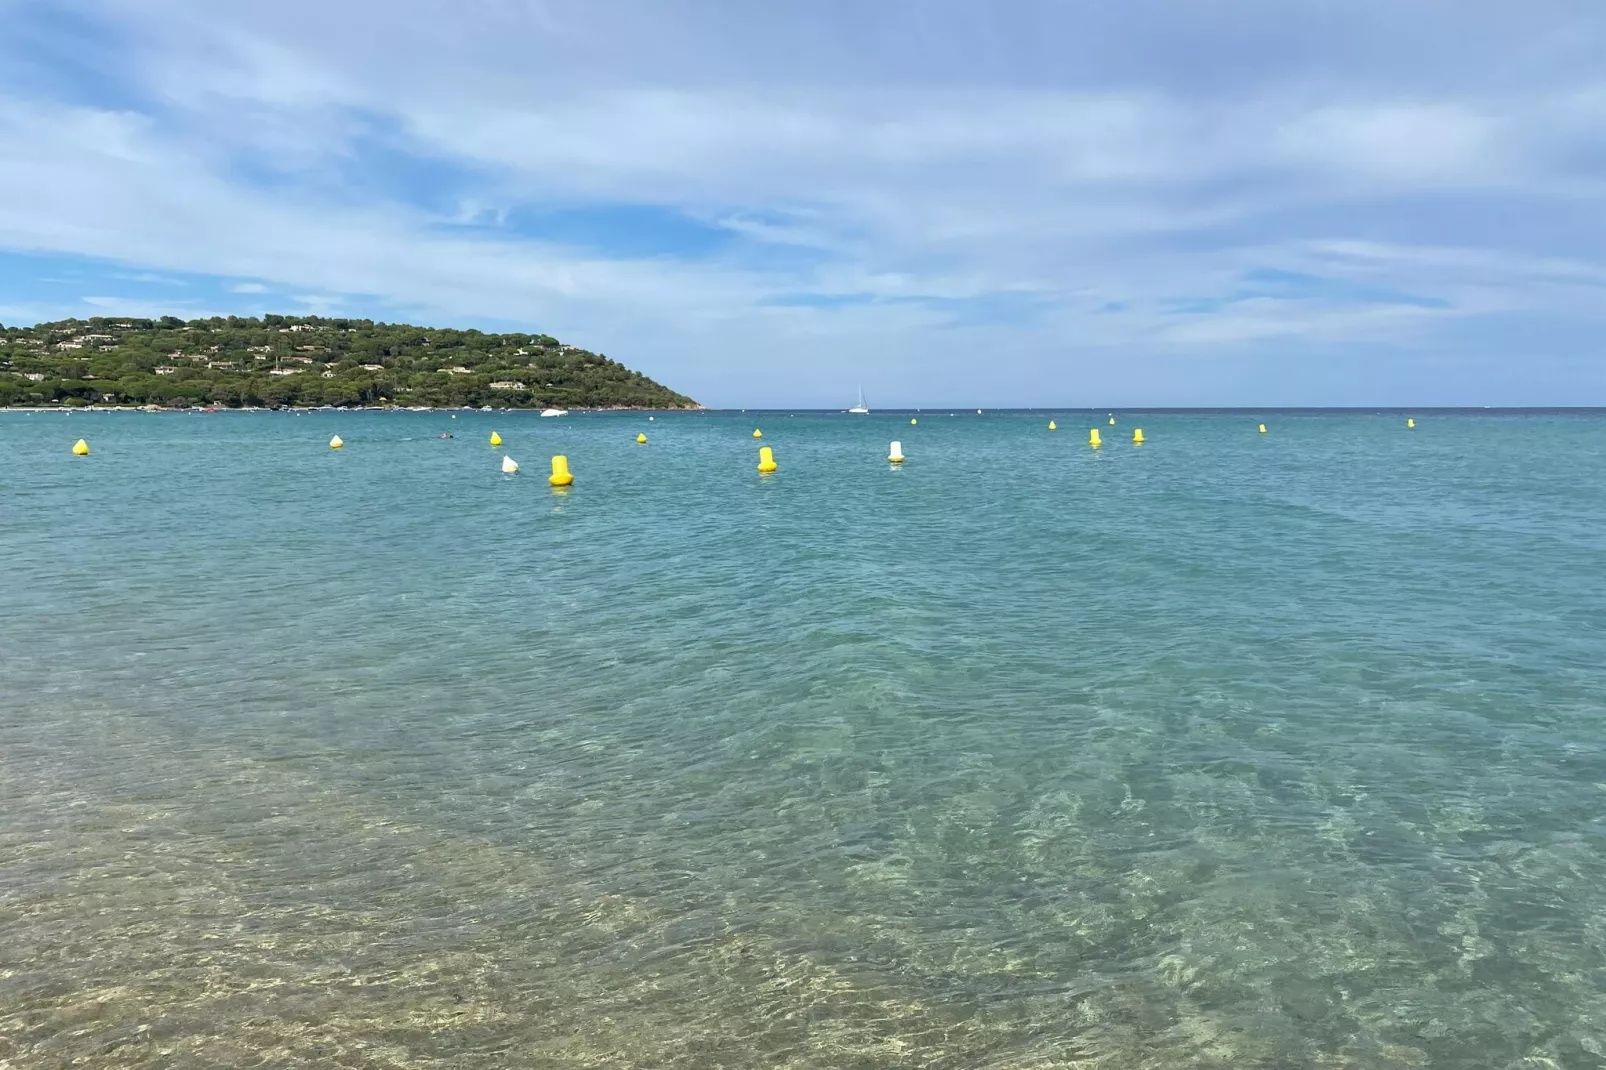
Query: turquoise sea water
x=1232 y=750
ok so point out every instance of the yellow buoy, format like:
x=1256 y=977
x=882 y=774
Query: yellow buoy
x=1137 y=435
x=1263 y=429
x=642 y=438
x=80 y=448
x=509 y=465
x=1410 y=423
x=1112 y=421
x=766 y=459
x=913 y=421
x=560 y=476
x=496 y=439
x=1093 y=438
x=757 y=433
x=895 y=454
x=1052 y=426
x=334 y=443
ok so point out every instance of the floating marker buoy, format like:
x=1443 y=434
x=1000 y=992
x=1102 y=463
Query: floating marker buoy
x=509 y=465
x=757 y=433
x=1410 y=423
x=895 y=454
x=978 y=412
x=560 y=476
x=1093 y=438
x=1112 y=421
x=766 y=459
x=334 y=443
x=1263 y=429
x=80 y=448
x=1052 y=426
x=496 y=439
x=1137 y=436
x=650 y=418
x=642 y=439
x=913 y=421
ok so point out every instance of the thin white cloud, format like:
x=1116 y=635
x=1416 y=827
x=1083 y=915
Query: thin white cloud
x=1437 y=144
x=152 y=278
x=248 y=288
x=138 y=307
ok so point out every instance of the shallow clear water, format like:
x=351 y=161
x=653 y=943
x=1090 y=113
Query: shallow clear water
x=1232 y=750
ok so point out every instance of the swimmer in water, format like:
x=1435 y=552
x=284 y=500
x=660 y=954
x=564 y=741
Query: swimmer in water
x=446 y=436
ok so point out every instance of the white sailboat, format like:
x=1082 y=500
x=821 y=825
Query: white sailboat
x=554 y=412
x=859 y=409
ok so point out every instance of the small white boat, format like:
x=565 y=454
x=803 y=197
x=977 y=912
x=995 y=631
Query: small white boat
x=859 y=409
x=554 y=412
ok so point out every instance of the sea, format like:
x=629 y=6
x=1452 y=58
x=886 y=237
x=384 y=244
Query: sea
x=1230 y=749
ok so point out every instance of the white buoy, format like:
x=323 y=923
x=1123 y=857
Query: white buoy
x=895 y=454
x=509 y=465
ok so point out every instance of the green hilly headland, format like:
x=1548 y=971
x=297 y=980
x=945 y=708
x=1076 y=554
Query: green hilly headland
x=280 y=361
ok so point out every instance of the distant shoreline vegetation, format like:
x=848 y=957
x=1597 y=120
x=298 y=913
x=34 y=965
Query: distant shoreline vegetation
x=280 y=362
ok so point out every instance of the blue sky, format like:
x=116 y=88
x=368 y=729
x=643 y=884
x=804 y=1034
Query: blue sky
x=1272 y=202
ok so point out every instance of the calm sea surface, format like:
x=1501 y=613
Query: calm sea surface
x=1230 y=750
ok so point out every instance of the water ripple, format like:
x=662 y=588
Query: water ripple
x=1230 y=751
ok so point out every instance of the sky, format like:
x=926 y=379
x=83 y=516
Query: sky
x=1013 y=203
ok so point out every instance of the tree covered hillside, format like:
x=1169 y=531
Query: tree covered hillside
x=288 y=360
